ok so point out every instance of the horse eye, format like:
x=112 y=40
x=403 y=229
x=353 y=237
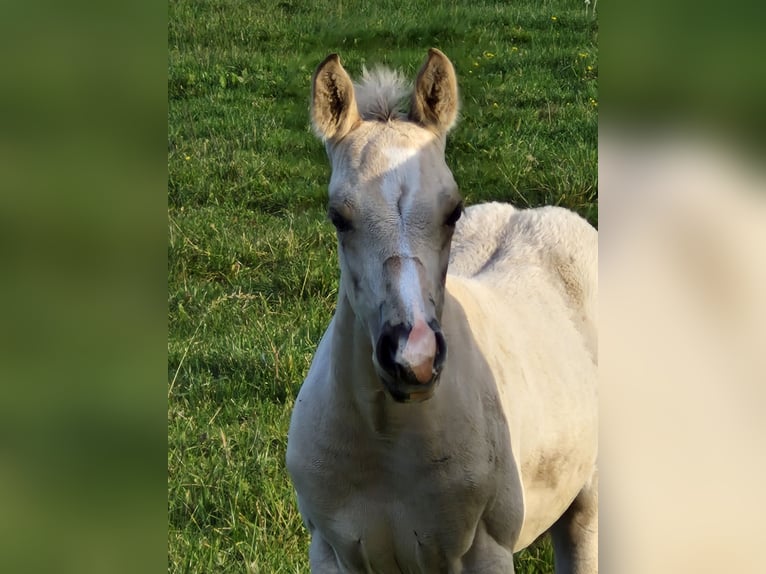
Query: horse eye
x=341 y=223
x=454 y=216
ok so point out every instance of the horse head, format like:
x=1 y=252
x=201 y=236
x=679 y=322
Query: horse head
x=394 y=203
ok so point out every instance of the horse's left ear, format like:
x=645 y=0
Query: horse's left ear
x=435 y=99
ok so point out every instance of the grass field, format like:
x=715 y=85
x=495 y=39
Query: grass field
x=252 y=275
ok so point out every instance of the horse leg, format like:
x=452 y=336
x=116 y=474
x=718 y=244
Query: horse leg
x=322 y=557
x=486 y=556
x=575 y=534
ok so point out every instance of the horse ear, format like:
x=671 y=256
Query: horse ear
x=435 y=100
x=333 y=104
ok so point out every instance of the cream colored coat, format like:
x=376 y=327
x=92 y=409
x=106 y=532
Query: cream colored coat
x=504 y=449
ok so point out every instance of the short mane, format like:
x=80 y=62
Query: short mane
x=382 y=94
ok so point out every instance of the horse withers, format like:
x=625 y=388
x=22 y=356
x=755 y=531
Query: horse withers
x=449 y=416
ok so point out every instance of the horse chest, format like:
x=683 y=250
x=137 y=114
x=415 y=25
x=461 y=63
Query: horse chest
x=384 y=513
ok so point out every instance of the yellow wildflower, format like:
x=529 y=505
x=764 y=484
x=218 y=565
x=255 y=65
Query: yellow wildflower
x=187 y=158
x=488 y=55
x=554 y=18
x=583 y=55
x=514 y=49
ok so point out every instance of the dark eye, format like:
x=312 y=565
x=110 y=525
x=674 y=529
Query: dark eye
x=454 y=215
x=341 y=223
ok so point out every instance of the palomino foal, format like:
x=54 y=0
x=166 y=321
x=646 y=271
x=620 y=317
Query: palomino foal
x=447 y=420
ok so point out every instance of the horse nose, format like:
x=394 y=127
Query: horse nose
x=419 y=352
x=411 y=354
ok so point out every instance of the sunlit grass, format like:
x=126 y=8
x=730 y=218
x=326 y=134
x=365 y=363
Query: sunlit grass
x=252 y=274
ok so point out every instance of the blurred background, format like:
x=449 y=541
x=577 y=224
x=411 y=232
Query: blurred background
x=682 y=274
x=83 y=171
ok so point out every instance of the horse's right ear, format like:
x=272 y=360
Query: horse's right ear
x=333 y=104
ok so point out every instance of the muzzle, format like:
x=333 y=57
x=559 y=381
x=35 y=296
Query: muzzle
x=409 y=359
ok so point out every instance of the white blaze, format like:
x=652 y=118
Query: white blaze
x=401 y=184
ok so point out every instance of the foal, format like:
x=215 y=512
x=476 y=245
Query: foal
x=447 y=420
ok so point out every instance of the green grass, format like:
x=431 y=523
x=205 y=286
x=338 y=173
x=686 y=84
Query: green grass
x=252 y=275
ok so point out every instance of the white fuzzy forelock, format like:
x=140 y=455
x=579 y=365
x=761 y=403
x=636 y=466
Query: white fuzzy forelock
x=381 y=94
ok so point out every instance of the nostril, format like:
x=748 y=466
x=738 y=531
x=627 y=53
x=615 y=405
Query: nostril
x=385 y=350
x=441 y=350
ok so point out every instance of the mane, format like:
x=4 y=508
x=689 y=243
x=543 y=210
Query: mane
x=382 y=94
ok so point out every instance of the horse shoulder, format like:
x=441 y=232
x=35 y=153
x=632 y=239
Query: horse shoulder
x=540 y=399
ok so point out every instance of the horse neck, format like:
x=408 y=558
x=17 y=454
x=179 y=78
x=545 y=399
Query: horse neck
x=352 y=368
x=354 y=378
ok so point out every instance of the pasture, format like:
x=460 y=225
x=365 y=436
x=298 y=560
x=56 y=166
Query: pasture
x=252 y=270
